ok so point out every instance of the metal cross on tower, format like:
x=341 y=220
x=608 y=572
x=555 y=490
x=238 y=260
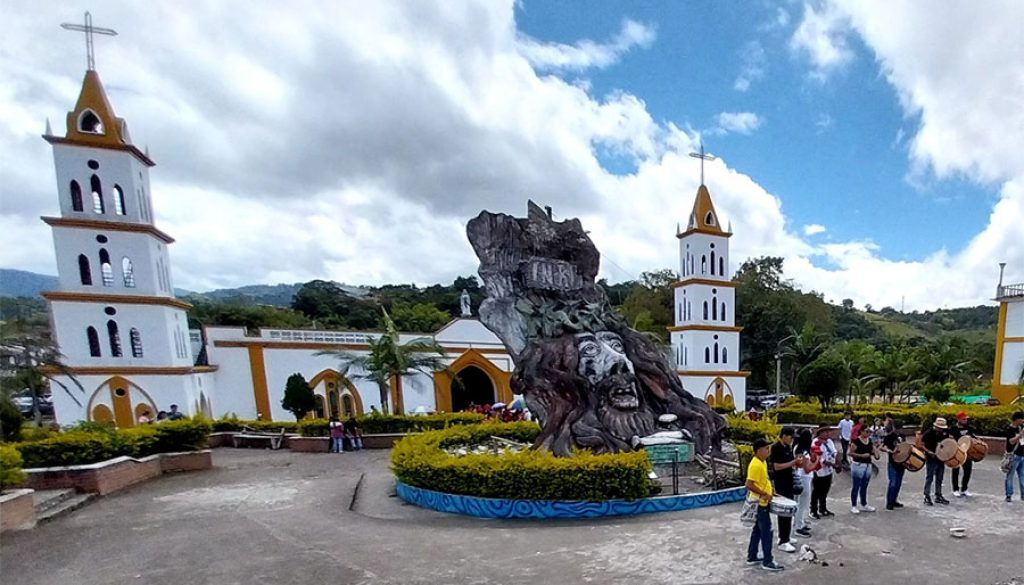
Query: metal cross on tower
x=703 y=157
x=89 y=30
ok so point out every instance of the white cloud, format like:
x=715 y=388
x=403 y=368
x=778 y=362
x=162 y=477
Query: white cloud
x=814 y=229
x=823 y=122
x=821 y=37
x=737 y=123
x=753 y=68
x=587 y=53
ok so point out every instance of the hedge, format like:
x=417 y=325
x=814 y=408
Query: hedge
x=377 y=424
x=985 y=420
x=81 y=447
x=10 y=467
x=419 y=460
x=234 y=424
x=739 y=428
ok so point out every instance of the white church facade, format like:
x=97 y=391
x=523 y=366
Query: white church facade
x=126 y=337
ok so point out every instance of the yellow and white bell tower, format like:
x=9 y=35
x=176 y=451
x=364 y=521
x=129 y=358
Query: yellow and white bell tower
x=1006 y=381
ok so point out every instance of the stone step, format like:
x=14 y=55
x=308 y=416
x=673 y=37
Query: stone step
x=43 y=500
x=64 y=508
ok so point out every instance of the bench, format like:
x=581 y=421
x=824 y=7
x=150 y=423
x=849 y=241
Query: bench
x=273 y=439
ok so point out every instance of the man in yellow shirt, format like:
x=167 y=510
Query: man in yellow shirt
x=759 y=486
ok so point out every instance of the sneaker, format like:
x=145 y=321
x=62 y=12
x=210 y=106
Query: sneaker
x=854 y=510
x=815 y=515
x=967 y=494
x=772 y=566
x=927 y=501
x=787 y=547
x=941 y=500
x=1009 y=499
x=957 y=493
x=828 y=513
x=866 y=508
x=756 y=561
x=803 y=532
x=897 y=505
x=890 y=507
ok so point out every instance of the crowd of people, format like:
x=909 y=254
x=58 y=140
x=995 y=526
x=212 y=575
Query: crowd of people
x=345 y=435
x=500 y=412
x=146 y=417
x=800 y=467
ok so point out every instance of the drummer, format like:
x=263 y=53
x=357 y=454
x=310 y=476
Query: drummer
x=759 y=485
x=962 y=428
x=889 y=443
x=935 y=469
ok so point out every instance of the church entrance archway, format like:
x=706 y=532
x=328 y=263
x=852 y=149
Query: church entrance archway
x=472 y=385
x=121 y=402
x=335 y=396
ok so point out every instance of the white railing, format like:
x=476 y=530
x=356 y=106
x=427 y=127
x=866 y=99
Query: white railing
x=1010 y=290
x=303 y=335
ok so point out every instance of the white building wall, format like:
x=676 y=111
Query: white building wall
x=116 y=167
x=157 y=325
x=162 y=390
x=689 y=302
x=1015 y=319
x=695 y=247
x=144 y=252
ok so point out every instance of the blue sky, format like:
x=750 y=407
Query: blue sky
x=834 y=151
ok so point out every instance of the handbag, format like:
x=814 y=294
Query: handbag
x=748 y=515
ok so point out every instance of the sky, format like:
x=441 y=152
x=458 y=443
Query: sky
x=877 y=146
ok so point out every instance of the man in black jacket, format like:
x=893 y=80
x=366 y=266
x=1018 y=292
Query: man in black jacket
x=962 y=428
x=935 y=469
x=782 y=463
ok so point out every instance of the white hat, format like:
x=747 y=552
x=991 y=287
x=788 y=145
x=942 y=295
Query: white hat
x=940 y=423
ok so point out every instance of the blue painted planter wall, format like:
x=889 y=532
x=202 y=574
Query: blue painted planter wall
x=495 y=508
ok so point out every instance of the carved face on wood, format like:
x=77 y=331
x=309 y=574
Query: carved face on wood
x=603 y=362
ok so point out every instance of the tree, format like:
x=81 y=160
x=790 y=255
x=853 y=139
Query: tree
x=766 y=308
x=34 y=361
x=806 y=346
x=298 y=396
x=824 y=378
x=419 y=317
x=648 y=307
x=387 y=360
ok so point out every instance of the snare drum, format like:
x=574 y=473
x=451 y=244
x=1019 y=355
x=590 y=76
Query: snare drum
x=909 y=456
x=976 y=448
x=782 y=506
x=950 y=453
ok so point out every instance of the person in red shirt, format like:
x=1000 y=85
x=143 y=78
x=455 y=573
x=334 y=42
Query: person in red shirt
x=856 y=428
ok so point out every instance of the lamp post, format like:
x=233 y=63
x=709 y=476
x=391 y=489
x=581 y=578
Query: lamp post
x=778 y=364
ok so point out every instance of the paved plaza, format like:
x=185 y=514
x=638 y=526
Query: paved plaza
x=281 y=517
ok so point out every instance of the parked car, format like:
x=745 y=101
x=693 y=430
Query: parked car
x=755 y=396
x=23 y=400
x=773 y=400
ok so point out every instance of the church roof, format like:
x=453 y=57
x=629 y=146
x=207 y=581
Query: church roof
x=704 y=219
x=93 y=123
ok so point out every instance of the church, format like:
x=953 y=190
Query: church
x=126 y=337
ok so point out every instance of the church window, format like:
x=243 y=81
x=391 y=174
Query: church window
x=686 y=356
x=703 y=264
x=712 y=261
x=105 y=268
x=90 y=122
x=707 y=355
x=84 y=271
x=115 y=338
x=714 y=308
x=705 y=310
x=725 y=355
x=97 y=194
x=716 y=352
x=110 y=311
x=94 y=341
x=93 y=165
x=118 y=200
x=723 y=311
x=709 y=218
x=689 y=311
x=136 y=341
x=76 y=197
x=102 y=239
x=721 y=265
x=128 y=272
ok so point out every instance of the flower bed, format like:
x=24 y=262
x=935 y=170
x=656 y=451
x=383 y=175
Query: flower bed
x=421 y=462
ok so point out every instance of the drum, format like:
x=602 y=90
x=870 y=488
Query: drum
x=976 y=448
x=781 y=506
x=950 y=453
x=909 y=456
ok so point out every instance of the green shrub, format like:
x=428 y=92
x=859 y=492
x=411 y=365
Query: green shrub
x=10 y=420
x=739 y=428
x=10 y=467
x=418 y=460
x=30 y=433
x=235 y=424
x=986 y=420
x=377 y=424
x=746 y=453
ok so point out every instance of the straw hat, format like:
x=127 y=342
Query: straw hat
x=940 y=423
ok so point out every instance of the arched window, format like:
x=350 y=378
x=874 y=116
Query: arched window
x=105 y=268
x=714 y=308
x=705 y=310
x=136 y=341
x=84 y=271
x=723 y=311
x=707 y=355
x=118 y=200
x=97 y=194
x=712 y=261
x=90 y=122
x=689 y=311
x=115 y=338
x=721 y=265
x=686 y=356
x=709 y=218
x=703 y=264
x=716 y=352
x=725 y=355
x=94 y=341
x=128 y=272
x=76 y=197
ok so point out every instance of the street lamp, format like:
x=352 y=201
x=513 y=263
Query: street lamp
x=778 y=364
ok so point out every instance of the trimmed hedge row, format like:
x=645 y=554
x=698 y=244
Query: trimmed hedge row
x=235 y=424
x=81 y=447
x=418 y=460
x=11 y=474
x=741 y=429
x=985 y=420
x=372 y=425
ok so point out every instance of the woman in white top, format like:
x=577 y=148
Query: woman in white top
x=804 y=474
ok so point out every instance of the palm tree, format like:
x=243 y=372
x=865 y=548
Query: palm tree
x=388 y=359
x=34 y=360
x=807 y=345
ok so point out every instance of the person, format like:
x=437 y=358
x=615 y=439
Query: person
x=144 y=418
x=1015 y=445
x=374 y=411
x=845 y=435
x=862 y=450
x=175 y=414
x=877 y=431
x=935 y=469
x=161 y=416
x=858 y=423
x=337 y=435
x=891 y=440
x=783 y=463
x=758 y=485
x=353 y=434
x=804 y=474
x=822 y=482
x=962 y=428
x=888 y=424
